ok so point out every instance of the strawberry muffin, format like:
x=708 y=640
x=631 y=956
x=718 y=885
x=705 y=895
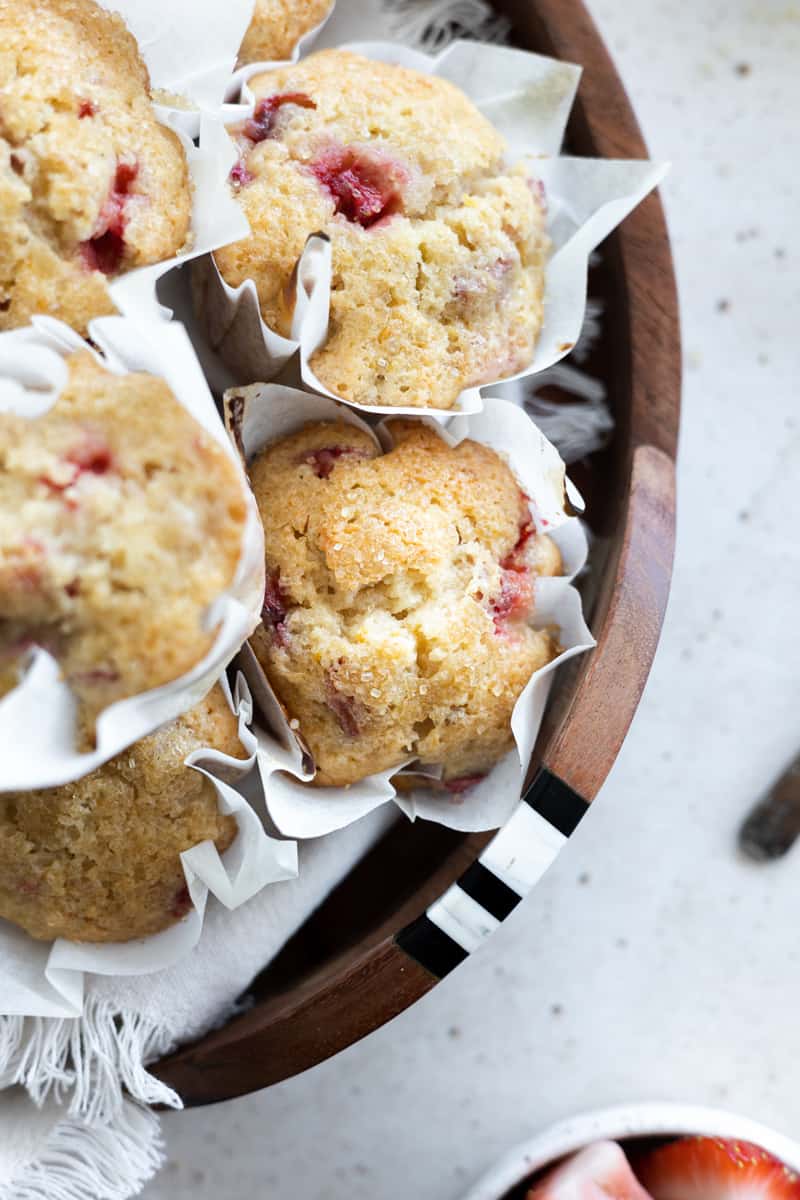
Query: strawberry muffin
x=399 y=615
x=91 y=185
x=121 y=520
x=439 y=250
x=98 y=860
x=277 y=27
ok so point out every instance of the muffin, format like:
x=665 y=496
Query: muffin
x=277 y=27
x=438 y=250
x=91 y=185
x=397 y=621
x=121 y=520
x=98 y=860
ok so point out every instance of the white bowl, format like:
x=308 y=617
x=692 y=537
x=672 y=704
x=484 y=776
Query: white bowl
x=620 y=1124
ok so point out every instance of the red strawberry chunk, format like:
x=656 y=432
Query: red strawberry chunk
x=105 y=248
x=514 y=560
x=264 y=119
x=462 y=784
x=366 y=186
x=700 y=1168
x=93 y=455
x=274 y=608
x=325 y=459
x=86 y=108
x=598 y=1172
x=181 y=903
x=347 y=710
x=515 y=599
x=240 y=176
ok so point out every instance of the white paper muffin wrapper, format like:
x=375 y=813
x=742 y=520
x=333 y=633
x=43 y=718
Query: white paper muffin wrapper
x=46 y=979
x=37 y=718
x=191 y=48
x=586 y=200
x=261 y=414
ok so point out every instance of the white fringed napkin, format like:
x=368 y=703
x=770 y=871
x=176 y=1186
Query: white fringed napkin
x=66 y=1133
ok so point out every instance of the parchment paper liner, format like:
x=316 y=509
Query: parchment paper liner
x=263 y=413
x=527 y=97
x=191 y=49
x=37 y=717
x=45 y=979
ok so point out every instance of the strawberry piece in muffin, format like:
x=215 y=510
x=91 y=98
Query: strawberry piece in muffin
x=438 y=248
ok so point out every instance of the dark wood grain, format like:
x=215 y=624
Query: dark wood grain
x=343 y=975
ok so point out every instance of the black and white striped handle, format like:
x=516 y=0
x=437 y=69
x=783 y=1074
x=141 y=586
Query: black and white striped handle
x=510 y=867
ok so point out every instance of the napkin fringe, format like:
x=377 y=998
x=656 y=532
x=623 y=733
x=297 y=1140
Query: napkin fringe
x=92 y=1058
x=106 y=1162
x=432 y=26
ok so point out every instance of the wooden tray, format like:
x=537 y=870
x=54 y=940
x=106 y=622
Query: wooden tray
x=382 y=939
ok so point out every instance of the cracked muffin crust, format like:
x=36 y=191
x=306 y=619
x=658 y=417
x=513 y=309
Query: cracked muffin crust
x=91 y=185
x=397 y=621
x=121 y=520
x=438 y=250
x=277 y=27
x=98 y=860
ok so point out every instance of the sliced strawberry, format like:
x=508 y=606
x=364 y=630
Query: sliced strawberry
x=700 y=1168
x=598 y=1172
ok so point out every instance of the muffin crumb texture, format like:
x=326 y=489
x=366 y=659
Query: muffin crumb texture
x=278 y=25
x=398 y=616
x=439 y=250
x=91 y=185
x=98 y=860
x=121 y=520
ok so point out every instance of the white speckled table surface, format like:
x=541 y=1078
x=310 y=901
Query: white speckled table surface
x=652 y=962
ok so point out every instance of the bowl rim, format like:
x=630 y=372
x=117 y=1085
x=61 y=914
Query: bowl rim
x=620 y=1123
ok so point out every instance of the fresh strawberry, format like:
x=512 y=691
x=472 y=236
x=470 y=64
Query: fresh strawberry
x=700 y=1168
x=598 y=1172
